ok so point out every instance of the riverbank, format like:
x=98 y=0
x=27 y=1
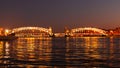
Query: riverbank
x=8 y=38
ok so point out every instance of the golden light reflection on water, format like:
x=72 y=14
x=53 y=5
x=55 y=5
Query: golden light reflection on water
x=1 y=49
x=31 y=49
x=91 y=47
x=83 y=48
x=83 y=51
x=4 y=50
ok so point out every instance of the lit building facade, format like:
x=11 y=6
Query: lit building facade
x=1 y=32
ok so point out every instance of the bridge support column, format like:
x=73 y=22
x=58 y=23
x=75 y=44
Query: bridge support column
x=67 y=32
x=50 y=32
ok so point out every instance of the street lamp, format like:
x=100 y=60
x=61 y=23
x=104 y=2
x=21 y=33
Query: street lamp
x=7 y=32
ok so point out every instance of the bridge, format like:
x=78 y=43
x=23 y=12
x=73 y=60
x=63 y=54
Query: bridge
x=86 y=31
x=32 y=32
x=114 y=32
x=47 y=32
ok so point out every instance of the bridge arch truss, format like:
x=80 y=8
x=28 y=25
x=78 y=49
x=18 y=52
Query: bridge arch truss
x=87 y=31
x=32 y=31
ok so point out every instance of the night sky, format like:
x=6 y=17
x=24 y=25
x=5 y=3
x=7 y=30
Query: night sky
x=58 y=14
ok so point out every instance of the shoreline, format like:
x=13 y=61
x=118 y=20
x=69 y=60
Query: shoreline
x=7 y=38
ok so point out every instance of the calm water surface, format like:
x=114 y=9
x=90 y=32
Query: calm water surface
x=83 y=52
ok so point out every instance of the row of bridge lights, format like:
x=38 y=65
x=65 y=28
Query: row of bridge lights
x=6 y=32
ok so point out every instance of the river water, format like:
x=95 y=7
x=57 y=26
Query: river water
x=82 y=52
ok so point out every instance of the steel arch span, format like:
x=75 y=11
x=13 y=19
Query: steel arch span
x=32 y=31
x=88 y=31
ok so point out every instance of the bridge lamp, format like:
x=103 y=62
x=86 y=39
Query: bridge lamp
x=7 y=31
x=111 y=31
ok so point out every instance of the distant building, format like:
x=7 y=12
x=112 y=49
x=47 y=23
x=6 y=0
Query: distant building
x=117 y=31
x=114 y=32
x=1 y=31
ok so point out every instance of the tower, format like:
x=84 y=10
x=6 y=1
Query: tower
x=67 y=32
x=50 y=31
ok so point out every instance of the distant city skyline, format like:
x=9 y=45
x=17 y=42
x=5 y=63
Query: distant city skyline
x=58 y=14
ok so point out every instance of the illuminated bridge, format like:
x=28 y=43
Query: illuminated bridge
x=87 y=31
x=47 y=32
x=32 y=32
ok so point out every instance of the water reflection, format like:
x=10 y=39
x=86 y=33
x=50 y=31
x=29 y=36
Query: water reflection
x=61 y=52
x=31 y=49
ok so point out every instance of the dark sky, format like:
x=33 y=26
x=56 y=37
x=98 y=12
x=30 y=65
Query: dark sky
x=60 y=13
